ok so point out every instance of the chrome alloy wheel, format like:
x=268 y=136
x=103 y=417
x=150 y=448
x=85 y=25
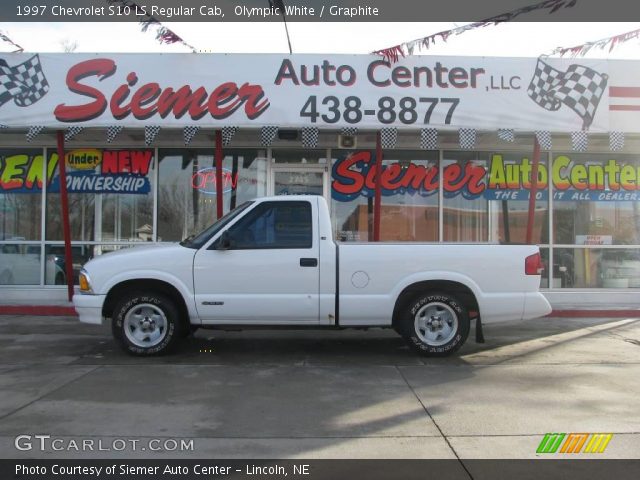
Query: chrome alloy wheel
x=436 y=324
x=145 y=325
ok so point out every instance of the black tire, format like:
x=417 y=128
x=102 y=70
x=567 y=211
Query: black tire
x=161 y=338
x=447 y=321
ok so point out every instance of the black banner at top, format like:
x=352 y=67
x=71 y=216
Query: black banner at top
x=315 y=10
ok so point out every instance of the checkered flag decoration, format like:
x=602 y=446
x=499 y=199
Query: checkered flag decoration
x=227 y=135
x=579 y=141
x=506 y=135
x=25 y=83
x=150 y=134
x=616 y=141
x=467 y=137
x=188 y=133
x=388 y=137
x=351 y=131
x=34 y=132
x=579 y=88
x=72 y=132
x=112 y=132
x=310 y=137
x=544 y=139
x=268 y=135
x=429 y=139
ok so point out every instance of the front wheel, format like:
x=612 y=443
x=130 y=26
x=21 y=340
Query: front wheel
x=146 y=324
x=436 y=324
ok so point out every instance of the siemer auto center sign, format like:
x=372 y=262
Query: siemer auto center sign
x=327 y=91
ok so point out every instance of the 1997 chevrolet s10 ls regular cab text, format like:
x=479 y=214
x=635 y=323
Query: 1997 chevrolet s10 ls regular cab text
x=272 y=262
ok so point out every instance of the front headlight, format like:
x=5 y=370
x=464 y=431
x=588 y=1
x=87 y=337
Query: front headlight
x=85 y=282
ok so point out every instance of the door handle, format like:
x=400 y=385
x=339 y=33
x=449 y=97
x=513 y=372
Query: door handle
x=308 y=262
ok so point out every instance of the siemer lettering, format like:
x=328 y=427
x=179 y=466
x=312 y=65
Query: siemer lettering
x=150 y=99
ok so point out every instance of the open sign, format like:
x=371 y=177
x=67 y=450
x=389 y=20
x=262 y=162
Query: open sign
x=204 y=180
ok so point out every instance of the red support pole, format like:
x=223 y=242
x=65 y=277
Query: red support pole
x=218 y=159
x=533 y=190
x=64 y=205
x=378 y=192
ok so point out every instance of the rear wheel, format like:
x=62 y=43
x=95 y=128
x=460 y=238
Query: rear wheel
x=146 y=324
x=434 y=323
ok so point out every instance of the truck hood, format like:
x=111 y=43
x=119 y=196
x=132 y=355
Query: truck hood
x=138 y=249
x=170 y=262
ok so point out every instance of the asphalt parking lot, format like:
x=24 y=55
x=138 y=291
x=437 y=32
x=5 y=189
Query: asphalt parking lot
x=311 y=394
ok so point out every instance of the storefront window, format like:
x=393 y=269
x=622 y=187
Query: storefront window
x=544 y=278
x=409 y=209
x=187 y=187
x=19 y=264
x=507 y=187
x=21 y=178
x=127 y=218
x=486 y=198
x=597 y=268
x=110 y=195
x=465 y=209
x=596 y=199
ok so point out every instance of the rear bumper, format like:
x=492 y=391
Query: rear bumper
x=535 y=305
x=513 y=306
x=89 y=308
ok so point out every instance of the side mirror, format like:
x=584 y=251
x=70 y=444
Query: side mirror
x=223 y=242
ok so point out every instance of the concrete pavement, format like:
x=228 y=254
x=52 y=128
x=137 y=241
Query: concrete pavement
x=318 y=394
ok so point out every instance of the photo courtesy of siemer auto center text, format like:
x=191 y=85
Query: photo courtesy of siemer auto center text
x=323 y=240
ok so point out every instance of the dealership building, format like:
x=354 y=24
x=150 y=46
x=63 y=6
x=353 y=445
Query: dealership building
x=154 y=148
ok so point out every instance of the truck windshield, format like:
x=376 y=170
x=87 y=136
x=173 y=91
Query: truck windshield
x=198 y=240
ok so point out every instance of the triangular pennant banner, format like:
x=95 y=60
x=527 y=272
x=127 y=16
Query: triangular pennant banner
x=506 y=135
x=429 y=139
x=310 y=137
x=579 y=141
x=467 y=137
x=112 y=132
x=616 y=141
x=34 y=132
x=227 y=135
x=388 y=137
x=72 y=132
x=268 y=135
x=544 y=139
x=150 y=134
x=189 y=132
x=352 y=131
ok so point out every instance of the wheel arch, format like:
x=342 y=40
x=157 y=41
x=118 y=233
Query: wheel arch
x=454 y=287
x=145 y=285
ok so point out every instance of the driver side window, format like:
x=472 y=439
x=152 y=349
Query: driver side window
x=274 y=225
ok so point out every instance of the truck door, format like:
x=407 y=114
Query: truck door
x=267 y=269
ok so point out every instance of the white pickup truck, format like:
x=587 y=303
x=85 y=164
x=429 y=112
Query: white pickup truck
x=273 y=262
